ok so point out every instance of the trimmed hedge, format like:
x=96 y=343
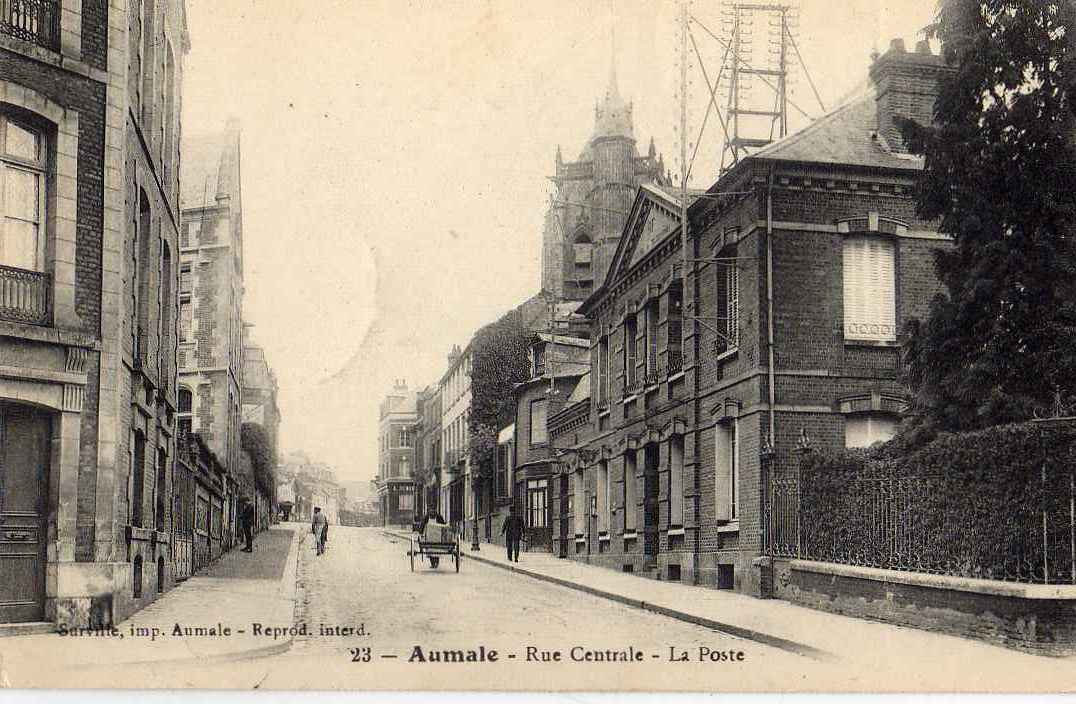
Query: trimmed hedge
x=969 y=504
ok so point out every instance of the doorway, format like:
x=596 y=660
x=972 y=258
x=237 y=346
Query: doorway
x=25 y=435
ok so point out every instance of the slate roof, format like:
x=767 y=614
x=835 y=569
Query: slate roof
x=201 y=169
x=847 y=136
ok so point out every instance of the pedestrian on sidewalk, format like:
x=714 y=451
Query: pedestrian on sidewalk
x=319 y=526
x=512 y=530
x=246 y=517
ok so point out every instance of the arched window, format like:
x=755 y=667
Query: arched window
x=22 y=195
x=141 y=258
x=146 y=65
x=168 y=306
x=138 y=480
x=158 y=489
x=169 y=117
x=136 y=578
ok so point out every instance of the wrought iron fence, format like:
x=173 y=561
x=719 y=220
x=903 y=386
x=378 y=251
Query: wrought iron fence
x=36 y=21
x=910 y=523
x=24 y=295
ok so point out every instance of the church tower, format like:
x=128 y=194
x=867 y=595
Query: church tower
x=592 y=196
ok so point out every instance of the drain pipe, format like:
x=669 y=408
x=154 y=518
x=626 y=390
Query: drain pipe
x=769 y=298
x=766 y=576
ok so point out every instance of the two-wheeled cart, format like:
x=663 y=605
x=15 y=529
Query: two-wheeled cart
x=437 y=540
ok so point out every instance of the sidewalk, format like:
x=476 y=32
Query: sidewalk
x=818 y=635
x=239 y=590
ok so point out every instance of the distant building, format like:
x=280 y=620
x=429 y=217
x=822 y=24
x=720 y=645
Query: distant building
x=259 y=390
x=591 y=200
x=397 y=418
x=455 y=415
x=211 y=298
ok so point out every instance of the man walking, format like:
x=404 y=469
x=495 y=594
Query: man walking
x=512 y=530
x=246 y=517
x=319 y=526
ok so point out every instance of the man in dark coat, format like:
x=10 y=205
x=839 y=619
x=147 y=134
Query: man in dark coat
x=319 y=526
x=512 y=530
x=246 y=516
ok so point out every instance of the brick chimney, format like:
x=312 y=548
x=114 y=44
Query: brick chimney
x=906 y=85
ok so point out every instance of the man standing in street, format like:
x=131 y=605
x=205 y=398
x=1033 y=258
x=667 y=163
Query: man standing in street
x=246 y=517
x=319 y=526
x=512 y=530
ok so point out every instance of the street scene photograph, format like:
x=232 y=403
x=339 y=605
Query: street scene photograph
x=635 y=346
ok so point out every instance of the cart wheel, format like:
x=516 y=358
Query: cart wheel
x=411 y=552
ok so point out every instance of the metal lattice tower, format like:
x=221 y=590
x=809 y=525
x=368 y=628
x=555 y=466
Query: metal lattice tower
x=758 y=79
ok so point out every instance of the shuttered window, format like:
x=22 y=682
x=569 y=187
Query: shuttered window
x=603 y=497
x=629 y=353
x=726 y=470
x=732 y=306
x=579 y=504
x=603 y=369
x=869 y=289
x=676 y=480
x=629 y=491
x=651 y=337
x=538 y=422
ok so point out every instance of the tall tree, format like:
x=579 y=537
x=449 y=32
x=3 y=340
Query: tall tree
x=1000 y=177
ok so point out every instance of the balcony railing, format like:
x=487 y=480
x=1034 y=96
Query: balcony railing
x=676 y=362
x=36 y=21
x=24 y=295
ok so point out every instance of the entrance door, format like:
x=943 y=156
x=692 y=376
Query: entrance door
x=24 y=480
x=650 y=501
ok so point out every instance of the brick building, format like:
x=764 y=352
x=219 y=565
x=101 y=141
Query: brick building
x=211 y=300
x=801 y=276
x=259 y=390
x=90 y=102
x=455 y=414
x=583 y=223
x=397 y=418
x=428 y=449
x=526 y=458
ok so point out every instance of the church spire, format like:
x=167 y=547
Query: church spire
x=613 y=113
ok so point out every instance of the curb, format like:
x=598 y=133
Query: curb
x=738 y=631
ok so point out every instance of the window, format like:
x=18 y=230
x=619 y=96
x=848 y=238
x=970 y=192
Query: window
x=406 y=502
x=538 y=421
x=580 y=504
x=537 y=360
x=168 y=307
x=169 y=117
x=651 y=337
x=138 y=479
x=603 y=497
x=603 y=369
x=863 y=430
x=674 y=331
x=869 y=289
x=727 y=472
x=630 y=331
x=405 y=437
x=158 y=489
x=629 y=491
x=22 y=195
x=405 y=466
x=146 y=62
x=537 y=503
x=676 y=481
x=729 y=298
x=186 y=319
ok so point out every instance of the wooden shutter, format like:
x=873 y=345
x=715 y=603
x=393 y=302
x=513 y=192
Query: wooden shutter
x=676 y=481
x=629 y=350
x=652 y=336
x=732 y=290
x=629 y=490
x=869 y=288
x=723 y=458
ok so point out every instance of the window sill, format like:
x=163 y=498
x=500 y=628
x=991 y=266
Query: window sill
x=727 y=354
x=676 y=377
x=730 y=527
x=579 y=539
x=629 y=399
x=850 y=342
x=603 y=538
x=675 y=531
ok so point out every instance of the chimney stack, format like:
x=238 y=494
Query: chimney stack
x=906 y=86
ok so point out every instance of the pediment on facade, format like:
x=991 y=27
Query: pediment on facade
x=653 y=216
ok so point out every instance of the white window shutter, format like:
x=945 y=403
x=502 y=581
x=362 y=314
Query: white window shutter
x=723 y=473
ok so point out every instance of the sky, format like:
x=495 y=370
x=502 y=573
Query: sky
x=396 y=155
